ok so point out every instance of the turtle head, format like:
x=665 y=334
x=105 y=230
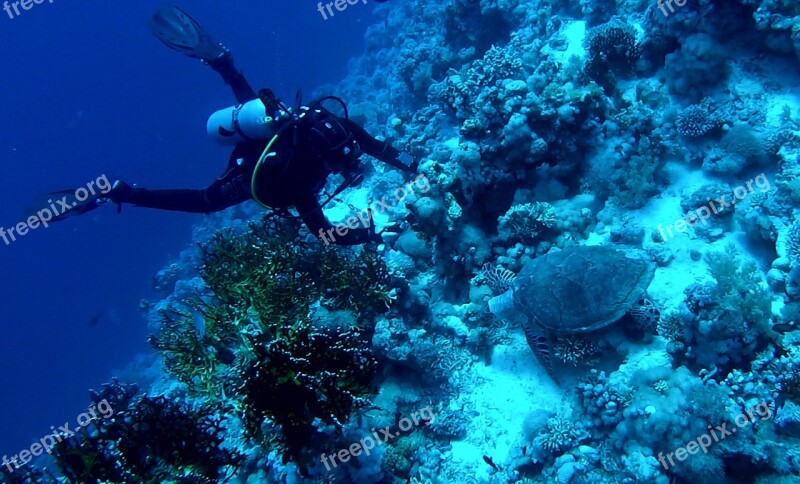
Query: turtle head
x=502 y=305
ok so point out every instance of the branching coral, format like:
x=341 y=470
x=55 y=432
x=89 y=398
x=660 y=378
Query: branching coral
x=527 y=222
x=576 y=349
x=731 y=320
x=149 y=439
x=261 y=271
x=459 y=90
x=612 y=49
x=559 y=434
x=359 y=283
x=193 y=353
x=304 y=374
x=778 y=139
x=257 y=321
x=260 y=282
x=670 y=326
x=696 y=120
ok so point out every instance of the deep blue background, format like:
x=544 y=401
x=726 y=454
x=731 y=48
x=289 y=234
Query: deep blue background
x=87 y=91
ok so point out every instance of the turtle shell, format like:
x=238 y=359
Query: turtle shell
x=582 y=289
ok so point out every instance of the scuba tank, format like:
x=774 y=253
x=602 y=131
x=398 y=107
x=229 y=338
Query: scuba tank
x=242 y=122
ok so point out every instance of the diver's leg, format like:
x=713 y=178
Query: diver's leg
x=191 y=201
x=233 y=77
x=231 y=188
x=179 y=31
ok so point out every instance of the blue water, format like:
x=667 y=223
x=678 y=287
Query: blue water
x=537 y=127
x=87 y=91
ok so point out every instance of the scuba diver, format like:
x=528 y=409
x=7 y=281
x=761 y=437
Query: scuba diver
x=282 y=155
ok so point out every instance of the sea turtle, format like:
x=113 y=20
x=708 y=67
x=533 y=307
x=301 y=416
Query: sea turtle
x=578 y=290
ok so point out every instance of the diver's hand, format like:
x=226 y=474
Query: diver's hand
x=373 y=236
x=120 y=192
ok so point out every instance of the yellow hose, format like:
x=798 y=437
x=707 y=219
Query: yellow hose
x=255 y=171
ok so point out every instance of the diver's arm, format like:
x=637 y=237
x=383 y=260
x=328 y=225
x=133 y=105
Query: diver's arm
x=372 y=146
x=312 y=215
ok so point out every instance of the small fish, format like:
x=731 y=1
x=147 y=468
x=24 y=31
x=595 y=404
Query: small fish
x=95 y=319
x=489 y=461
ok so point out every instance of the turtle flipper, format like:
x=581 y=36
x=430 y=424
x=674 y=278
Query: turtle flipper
x=539 y=343
x=646 y=315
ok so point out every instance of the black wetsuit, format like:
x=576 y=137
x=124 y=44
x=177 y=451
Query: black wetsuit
x=296 y=184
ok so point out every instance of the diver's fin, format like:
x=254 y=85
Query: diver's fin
x=178 y=31
x=62 y=204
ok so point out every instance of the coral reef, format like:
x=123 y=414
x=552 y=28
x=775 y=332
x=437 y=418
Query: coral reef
x=541 y=125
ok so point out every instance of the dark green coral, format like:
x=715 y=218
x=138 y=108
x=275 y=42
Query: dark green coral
x=281 y=367
x=306 y=374
x=148 y=439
